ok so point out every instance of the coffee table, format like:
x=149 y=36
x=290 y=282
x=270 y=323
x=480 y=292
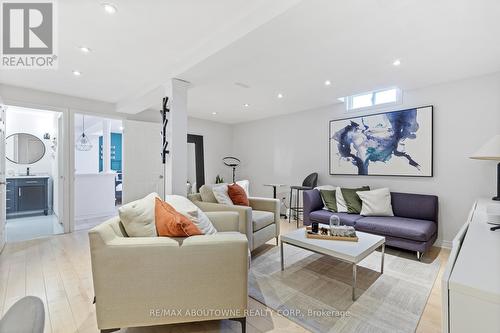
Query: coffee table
x=350 y=252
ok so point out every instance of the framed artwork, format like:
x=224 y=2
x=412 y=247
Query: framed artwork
x=396 y=143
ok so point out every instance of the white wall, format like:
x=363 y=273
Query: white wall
x=55 y=167
x=217 y=144
x=87 y=161
x=466 y=113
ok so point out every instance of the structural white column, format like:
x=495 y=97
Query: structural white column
x=106 y=145
x=176 y=165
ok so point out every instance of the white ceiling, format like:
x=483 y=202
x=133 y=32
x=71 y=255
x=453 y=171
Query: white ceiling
x=144 y=44
x=280 y=46
x=351 y=43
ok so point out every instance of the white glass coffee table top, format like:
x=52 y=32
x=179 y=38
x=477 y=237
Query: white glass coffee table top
x=351 y=252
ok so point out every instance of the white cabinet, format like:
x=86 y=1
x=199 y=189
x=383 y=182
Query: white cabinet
x=471 y=281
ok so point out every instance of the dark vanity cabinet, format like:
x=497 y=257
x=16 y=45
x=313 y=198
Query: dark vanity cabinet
x=27 y=195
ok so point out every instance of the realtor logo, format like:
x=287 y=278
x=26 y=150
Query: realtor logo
x=28 y=35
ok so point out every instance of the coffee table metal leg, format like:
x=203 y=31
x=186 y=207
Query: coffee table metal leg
x=354 y=269
x=382 y=260
x=282 y=259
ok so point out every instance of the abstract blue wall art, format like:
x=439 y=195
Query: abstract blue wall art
x=397 y=143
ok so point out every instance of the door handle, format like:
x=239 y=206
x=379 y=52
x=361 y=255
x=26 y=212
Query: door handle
x=3 y=183
x=19 y=191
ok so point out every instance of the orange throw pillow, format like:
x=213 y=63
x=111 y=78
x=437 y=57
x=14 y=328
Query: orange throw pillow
x=238 y=195
x=171 y=223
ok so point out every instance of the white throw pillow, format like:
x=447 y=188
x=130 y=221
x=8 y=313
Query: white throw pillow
x=245 y=184
x=341 y=204
x=376 y=202
x=325 y=187
x=189 y=209
x=138 y=217
x=220 y=193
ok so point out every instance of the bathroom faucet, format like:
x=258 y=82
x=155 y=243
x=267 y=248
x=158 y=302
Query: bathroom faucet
x=27 y=171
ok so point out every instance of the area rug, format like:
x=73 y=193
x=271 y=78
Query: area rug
x=315 y=291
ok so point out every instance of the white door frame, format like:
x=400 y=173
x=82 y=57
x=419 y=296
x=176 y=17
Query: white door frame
x=71 y=137
x=66 y=212
x=3 y=185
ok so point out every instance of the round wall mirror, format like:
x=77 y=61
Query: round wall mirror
x=24 y=148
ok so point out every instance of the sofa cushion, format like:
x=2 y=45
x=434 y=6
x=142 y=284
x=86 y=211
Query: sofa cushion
x=415 y=206
x=245 y=184
x=196 y=215
x=341 y=201
x=238 y=195
x=261 y=219
x=170 y=223
x=221 y=195
x=401 y=227
x=323 y=216
x=352 y=200
x=328 y=197
x=376 y=202
x=207 y=194
x=138 y=217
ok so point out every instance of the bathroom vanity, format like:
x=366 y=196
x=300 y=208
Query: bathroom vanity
x=27 y=195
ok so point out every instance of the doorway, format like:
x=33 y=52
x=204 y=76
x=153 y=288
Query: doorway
x=195 y=163
x=98 y=169
x=34 y=173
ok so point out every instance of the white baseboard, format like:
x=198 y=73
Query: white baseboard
x=95 y=216
x=443 y=244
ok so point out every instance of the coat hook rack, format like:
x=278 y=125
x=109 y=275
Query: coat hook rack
x=164 y=111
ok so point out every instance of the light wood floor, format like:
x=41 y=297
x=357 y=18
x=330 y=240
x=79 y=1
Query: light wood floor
x=57 y=269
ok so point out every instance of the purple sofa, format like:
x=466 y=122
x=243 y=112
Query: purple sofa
x=414 y=226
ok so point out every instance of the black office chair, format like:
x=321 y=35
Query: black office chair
x=308 y=184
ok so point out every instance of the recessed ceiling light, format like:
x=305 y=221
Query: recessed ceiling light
x=328 y=82
x=84 y=49
x=280 y=95
x=109 y=8
x=397 y=62
x=77 y=73
x=214 y=113
x=246 y=105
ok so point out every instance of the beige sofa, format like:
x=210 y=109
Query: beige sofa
x=260 y=222
x=145 y=281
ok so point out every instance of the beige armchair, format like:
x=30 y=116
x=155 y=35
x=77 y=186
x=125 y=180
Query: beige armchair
x=145 y=281
x=260 y=222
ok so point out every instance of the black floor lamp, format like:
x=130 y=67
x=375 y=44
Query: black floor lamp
x=232 y=162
